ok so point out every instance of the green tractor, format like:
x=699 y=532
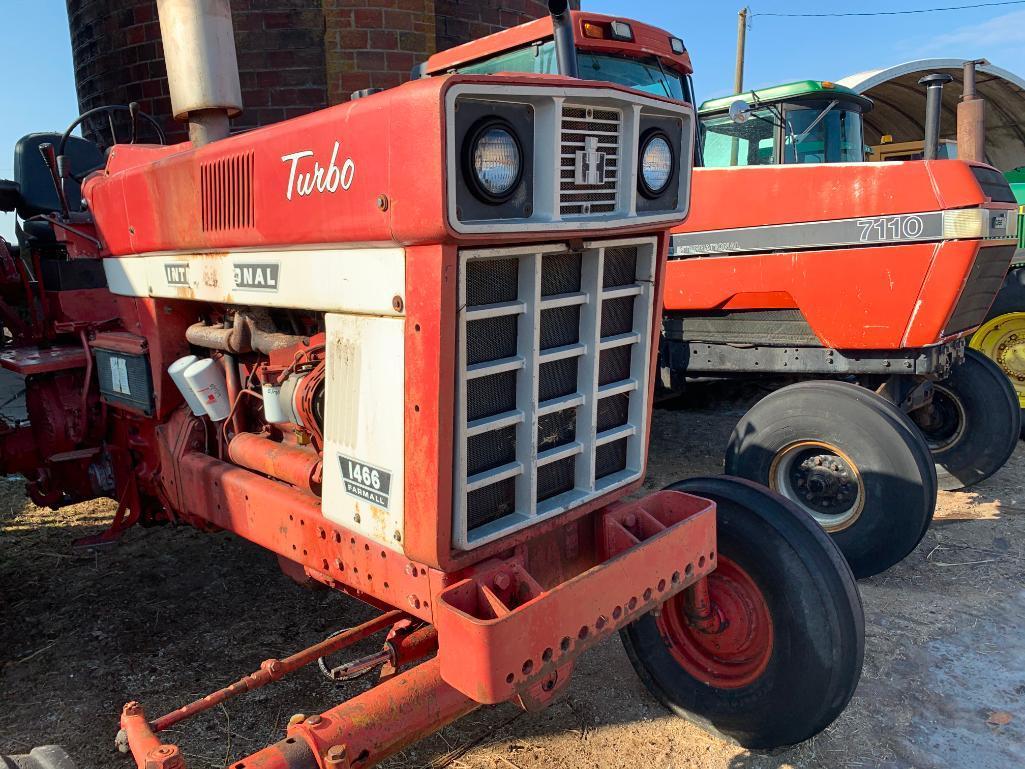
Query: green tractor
x=814 y=121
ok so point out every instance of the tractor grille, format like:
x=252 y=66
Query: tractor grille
x=589 y=174
x=981 y=288
x=554 y=356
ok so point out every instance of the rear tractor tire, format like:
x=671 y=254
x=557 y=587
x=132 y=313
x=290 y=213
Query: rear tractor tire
x=848 y=458
x=775 y=654
x=973 y=423
x=1002 y=340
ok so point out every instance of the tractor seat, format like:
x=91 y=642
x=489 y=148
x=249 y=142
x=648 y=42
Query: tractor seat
x=37 y=195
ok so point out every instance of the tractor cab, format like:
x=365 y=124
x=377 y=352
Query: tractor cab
x=809 y=121
x=608 y=49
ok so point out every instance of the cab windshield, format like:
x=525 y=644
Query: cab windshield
x=820 y=131
x=727 y=144
x=647 y=75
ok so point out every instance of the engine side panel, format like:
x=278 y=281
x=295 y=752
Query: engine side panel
x=364 y=473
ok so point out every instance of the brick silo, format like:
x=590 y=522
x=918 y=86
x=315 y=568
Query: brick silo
x=294 y=56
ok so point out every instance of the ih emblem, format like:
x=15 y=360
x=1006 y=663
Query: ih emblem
x=590 y=167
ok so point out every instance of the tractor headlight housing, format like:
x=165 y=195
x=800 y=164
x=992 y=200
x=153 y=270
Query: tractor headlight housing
x=493 y=160
x=658 y=164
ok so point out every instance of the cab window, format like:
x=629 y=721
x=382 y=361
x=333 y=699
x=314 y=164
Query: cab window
x=823 y=132
x=522 y=60
x=640 y=74
x=751 y=143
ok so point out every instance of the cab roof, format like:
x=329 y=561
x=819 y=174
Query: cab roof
x=785 y=93
x=647 y=41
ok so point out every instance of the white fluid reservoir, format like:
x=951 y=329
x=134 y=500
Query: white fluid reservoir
x=272 y=410
x=177 y=373
x=206 y=379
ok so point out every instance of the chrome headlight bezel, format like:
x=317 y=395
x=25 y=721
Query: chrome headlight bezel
x=472 y=146
x=645 y=186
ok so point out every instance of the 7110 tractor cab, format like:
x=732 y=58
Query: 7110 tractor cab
x=868 y=273
x=431 y=391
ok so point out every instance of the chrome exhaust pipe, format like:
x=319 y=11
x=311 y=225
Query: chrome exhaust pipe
x=202 y=68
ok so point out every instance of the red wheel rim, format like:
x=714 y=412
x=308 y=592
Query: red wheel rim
x=733 y=648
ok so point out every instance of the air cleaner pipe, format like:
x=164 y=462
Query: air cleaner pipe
x=565 y=43
x=298 y=466
x=933 y=105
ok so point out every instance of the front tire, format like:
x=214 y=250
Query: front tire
x=845 y=456
x=973 y=423
x=786 y=655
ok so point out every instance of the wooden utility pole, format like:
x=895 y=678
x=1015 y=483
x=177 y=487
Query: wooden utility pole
x=738 y=86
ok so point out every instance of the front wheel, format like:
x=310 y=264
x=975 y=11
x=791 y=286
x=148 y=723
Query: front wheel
x=768 y=650
x=848 y=458
x=972 y=423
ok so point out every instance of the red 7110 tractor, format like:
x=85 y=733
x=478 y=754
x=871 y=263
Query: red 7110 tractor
x=421 y=373
x=874 y=275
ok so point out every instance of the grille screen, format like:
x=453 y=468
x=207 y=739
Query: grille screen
x=984 y=281
x=589 y=175
x=554 y=354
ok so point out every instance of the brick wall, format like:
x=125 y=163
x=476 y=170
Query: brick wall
x=295 y=56
x=460 y=21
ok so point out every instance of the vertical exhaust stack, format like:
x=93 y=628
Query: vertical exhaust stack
x=971 y=118
x=202 y=69
x=933 y=106
x=565 y=43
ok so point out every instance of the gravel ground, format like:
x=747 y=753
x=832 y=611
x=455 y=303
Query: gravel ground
x=168 y=615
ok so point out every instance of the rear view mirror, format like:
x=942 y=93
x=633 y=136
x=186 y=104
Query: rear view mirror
x=740 y=111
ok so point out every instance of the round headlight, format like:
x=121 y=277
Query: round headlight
x=496 y=161
x=656 y=165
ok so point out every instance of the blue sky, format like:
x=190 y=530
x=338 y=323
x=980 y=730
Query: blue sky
x=38 y=92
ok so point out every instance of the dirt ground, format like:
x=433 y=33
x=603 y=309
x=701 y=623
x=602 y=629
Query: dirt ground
x=168 y=615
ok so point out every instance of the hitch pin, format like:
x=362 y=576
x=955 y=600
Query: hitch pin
x=358 y=667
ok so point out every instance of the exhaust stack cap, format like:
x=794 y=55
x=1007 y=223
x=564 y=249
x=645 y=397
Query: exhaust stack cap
x=933 y=106
x=202 y=68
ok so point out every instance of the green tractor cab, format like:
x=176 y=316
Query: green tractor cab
x=810 y=121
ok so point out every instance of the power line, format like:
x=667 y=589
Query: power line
x=889 y=13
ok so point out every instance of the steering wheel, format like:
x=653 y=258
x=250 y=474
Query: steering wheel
x=109 y=110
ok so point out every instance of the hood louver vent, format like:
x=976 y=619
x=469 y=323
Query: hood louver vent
x=227 y=193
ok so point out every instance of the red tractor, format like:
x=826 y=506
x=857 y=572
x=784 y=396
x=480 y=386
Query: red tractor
x=868 y=283
x=871 y=273
x=421 y=373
